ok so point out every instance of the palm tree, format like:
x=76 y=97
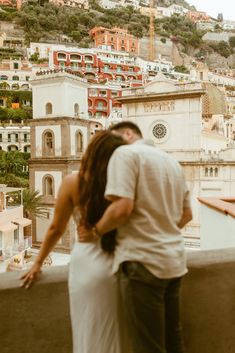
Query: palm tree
x=33 y=204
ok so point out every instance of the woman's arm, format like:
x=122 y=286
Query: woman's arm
x=63 y=210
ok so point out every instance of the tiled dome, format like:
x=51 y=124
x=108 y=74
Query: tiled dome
x=213 y=101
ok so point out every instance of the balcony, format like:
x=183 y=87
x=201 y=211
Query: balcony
x=61 y=57
x=88 y=59
x=90 y=69
x=102 y=94
x=104 y=109
x=75 y=58
x=37 y=320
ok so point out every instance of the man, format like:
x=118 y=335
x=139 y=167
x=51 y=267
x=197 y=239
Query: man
x=149 y=204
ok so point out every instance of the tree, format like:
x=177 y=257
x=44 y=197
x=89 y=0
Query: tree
x=222 y=47
x=33 y=204
x=232 y=41
x=13 y=181
x=181 y=68
x=12 y=163
x=217 y=27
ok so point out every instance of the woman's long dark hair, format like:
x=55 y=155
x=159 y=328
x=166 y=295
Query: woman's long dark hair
x=92 y=181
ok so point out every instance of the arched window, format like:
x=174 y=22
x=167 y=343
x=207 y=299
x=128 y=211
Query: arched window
x=211 y=172
x=75 y=57
x=206 y=172
x=15 y=86
x=48 y=143
x=48 y=108
x=25 y=87
x=76 y=109
x=48 y=185
x=88 y=58
x=27 y=149
x=61 y=56
x=216 y=172
x=79 y=142
x=12 y=148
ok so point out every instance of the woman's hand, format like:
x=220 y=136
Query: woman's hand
x=31 y=276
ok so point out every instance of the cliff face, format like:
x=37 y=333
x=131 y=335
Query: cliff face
x=214 y=60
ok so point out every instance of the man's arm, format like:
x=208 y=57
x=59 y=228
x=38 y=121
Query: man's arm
x=187 y=216
x=120 y=190
x=114 y=216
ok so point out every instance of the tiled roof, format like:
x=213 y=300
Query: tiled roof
x=221 y=204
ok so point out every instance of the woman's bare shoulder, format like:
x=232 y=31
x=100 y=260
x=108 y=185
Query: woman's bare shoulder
x=70 y=185
x=71 y=179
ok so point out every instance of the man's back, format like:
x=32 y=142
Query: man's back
x=156 y=183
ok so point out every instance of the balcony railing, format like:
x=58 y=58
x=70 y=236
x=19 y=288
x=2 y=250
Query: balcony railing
x=77 y=60
x=90 y=69
x=35 y=321
x=87 y=60
x=101 y=108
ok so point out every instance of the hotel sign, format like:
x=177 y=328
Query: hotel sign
x=159 y=106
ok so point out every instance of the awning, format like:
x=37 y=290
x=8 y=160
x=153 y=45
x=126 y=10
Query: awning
x=7 y=227
x=24 y=222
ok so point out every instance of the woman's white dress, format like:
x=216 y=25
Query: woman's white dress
x=97 y=323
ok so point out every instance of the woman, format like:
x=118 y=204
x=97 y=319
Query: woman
x=94 y=303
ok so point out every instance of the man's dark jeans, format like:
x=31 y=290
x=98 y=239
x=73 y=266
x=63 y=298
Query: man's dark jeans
x=152 y=310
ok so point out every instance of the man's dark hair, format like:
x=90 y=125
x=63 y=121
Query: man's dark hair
x=126 y=125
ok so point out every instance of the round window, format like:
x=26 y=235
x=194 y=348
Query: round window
x=159 y=131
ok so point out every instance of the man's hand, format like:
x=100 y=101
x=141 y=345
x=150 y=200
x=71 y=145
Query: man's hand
x=31 y=276
x=85 y=235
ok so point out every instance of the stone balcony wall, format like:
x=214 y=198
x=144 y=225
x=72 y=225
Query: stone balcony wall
x=37 y=320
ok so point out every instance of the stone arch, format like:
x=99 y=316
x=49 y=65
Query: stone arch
x=79 y=143
x=12 y=148
x=49 y=108
x=15 y=86
x=48 y=185
x=48 y=143
x=27 y=148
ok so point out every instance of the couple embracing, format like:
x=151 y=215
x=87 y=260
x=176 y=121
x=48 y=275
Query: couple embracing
x=129 y=201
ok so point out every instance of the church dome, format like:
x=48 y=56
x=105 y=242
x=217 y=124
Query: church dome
x=213 y=101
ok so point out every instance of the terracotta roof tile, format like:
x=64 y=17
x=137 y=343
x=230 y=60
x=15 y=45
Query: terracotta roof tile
x=221 y=204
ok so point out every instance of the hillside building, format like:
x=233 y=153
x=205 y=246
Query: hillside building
x=15 y=137
x=116 y=38
x=83 y=4
x=228 y=25
x=196 y=16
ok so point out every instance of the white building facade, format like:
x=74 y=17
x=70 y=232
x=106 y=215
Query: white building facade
x=171 y=114
x=15 y=138
x=59 y=136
